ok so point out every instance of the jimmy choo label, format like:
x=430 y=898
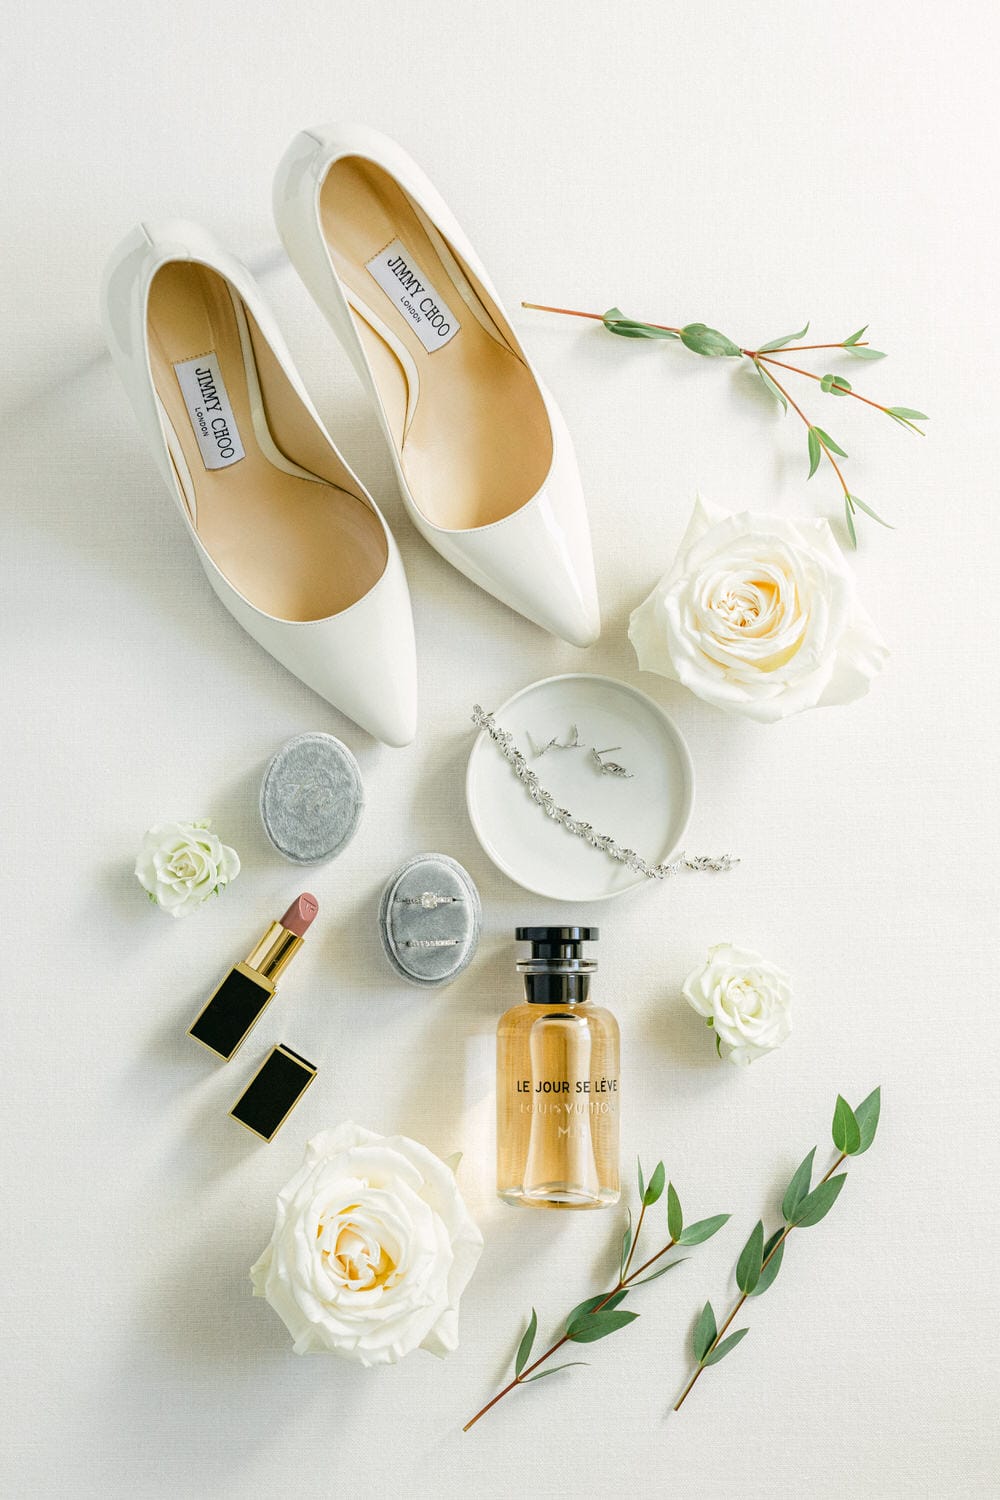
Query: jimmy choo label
x=208 y=407
x=405 y=283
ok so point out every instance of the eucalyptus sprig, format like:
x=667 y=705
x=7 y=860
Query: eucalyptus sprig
x=802 y=1206
x=597 y=1317
x=712 y=344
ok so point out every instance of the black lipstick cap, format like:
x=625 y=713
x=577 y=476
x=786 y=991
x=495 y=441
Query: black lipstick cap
x=273 y=1092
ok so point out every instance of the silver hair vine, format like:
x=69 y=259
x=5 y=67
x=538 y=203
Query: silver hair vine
x=504 y=742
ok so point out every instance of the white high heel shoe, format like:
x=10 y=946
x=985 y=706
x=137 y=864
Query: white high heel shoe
x=483 y=458
x=291 y=542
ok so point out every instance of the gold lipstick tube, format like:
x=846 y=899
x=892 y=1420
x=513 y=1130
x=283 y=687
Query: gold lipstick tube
x=238 y=1002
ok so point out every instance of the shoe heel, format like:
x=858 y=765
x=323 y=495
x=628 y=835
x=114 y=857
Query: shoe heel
x=296 y=188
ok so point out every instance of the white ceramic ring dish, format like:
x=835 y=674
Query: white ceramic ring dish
x=648 y=810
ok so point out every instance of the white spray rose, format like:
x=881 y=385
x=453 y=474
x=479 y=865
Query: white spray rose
x=759 y=615
x=372 y=1248
x=745 y=998
x=181 y=864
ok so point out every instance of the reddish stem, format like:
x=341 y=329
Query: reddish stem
x=755 y=355
x=796 y=408
x=721 y=1333
x=801 y=348
x=623 y=1281
x=809 y=374
x=635 y=1240
x=571 y=312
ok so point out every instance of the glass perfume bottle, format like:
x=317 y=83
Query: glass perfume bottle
x=557 y=1081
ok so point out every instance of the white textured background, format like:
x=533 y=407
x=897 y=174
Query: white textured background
x=750 y=166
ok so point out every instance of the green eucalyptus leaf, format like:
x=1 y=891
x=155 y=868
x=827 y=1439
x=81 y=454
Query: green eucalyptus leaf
x=828 y=440
x=846 y=1131
x=817 y=1204
x=856 y=500
x=867 y=1114
x=583 y=1309
x=594 y=1326
x=662 y=1271
x=849 y=519
x=790 y=338
x=569 y=1365
x=705 y=1332
x=815 y=453
x=865 y=353
x=906 y=417
x=799 y=1185
x=655 y=1185
x=527 y=1340
x=675 y=1219
x=626 y=1244
x=770 y=386
x=751 y=1256
x=702 y=1230
x=615 y=321
x=718 y=1045
x=855 y=336
x=775 y=1249
x=701 y=339
x=834 y=385
x=726 y=1347
x=642 y=1185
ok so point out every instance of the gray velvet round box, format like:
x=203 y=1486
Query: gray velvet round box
x=429 y=919
x=311 y=798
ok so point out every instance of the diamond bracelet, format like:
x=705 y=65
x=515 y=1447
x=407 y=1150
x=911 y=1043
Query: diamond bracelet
x=504 y=742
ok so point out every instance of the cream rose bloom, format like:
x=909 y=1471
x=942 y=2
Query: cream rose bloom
x=372 y=1248
x=181 y=864
x=745 y=998
x=759 y=615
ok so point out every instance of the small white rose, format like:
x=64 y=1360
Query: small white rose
x=744 y=998
x=759 y=615
x=181 y=864
x=372 y=1249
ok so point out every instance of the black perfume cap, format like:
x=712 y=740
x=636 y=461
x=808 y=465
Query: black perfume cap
x=556 y=973
x=556 y=944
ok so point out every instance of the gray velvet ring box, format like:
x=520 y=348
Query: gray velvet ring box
x=311 y=798
x=429 y=920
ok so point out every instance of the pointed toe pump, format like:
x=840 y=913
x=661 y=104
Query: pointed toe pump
x=292 y=544
x=482 y=455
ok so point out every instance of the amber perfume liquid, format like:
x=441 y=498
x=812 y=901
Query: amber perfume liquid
x=558 y=1082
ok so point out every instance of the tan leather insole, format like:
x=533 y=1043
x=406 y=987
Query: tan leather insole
x=479 y=444
x=296 y=548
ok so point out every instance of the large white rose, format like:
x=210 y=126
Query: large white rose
x=181 y=864
x=372 y=1248
x=744 y=998
x=759 y=615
